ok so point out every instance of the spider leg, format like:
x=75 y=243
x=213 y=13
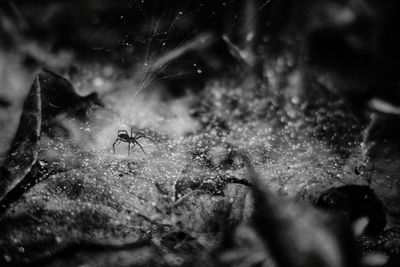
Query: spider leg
x=136 y=142
x=129 y=148
x=131 y=131
x=143 y=136
x=139 y=134
x=131 y=145
x=113 y=146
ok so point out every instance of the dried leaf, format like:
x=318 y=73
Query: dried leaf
x=297 y=235
x=353 y=202
x=24 y=149
x=49 y=96
x=58 y=95
x=200 y=212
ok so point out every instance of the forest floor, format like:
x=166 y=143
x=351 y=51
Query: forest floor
x=170 y=206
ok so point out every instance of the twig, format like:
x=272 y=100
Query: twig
x=146 y=218
x=194 y=192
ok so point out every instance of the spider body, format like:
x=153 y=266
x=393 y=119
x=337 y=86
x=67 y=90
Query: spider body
x=123 y=136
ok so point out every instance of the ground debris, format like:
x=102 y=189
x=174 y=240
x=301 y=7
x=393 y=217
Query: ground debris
x=24 y=149
x=49 y=95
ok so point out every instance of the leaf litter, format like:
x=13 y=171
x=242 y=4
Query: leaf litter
x=101 y=209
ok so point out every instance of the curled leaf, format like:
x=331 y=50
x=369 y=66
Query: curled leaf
x=49 y=96
x=24 y=148
x=58 y=96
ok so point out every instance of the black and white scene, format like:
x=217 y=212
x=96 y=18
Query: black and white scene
x=180 y=133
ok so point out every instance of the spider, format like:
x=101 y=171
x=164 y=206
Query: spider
x=123 y=136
